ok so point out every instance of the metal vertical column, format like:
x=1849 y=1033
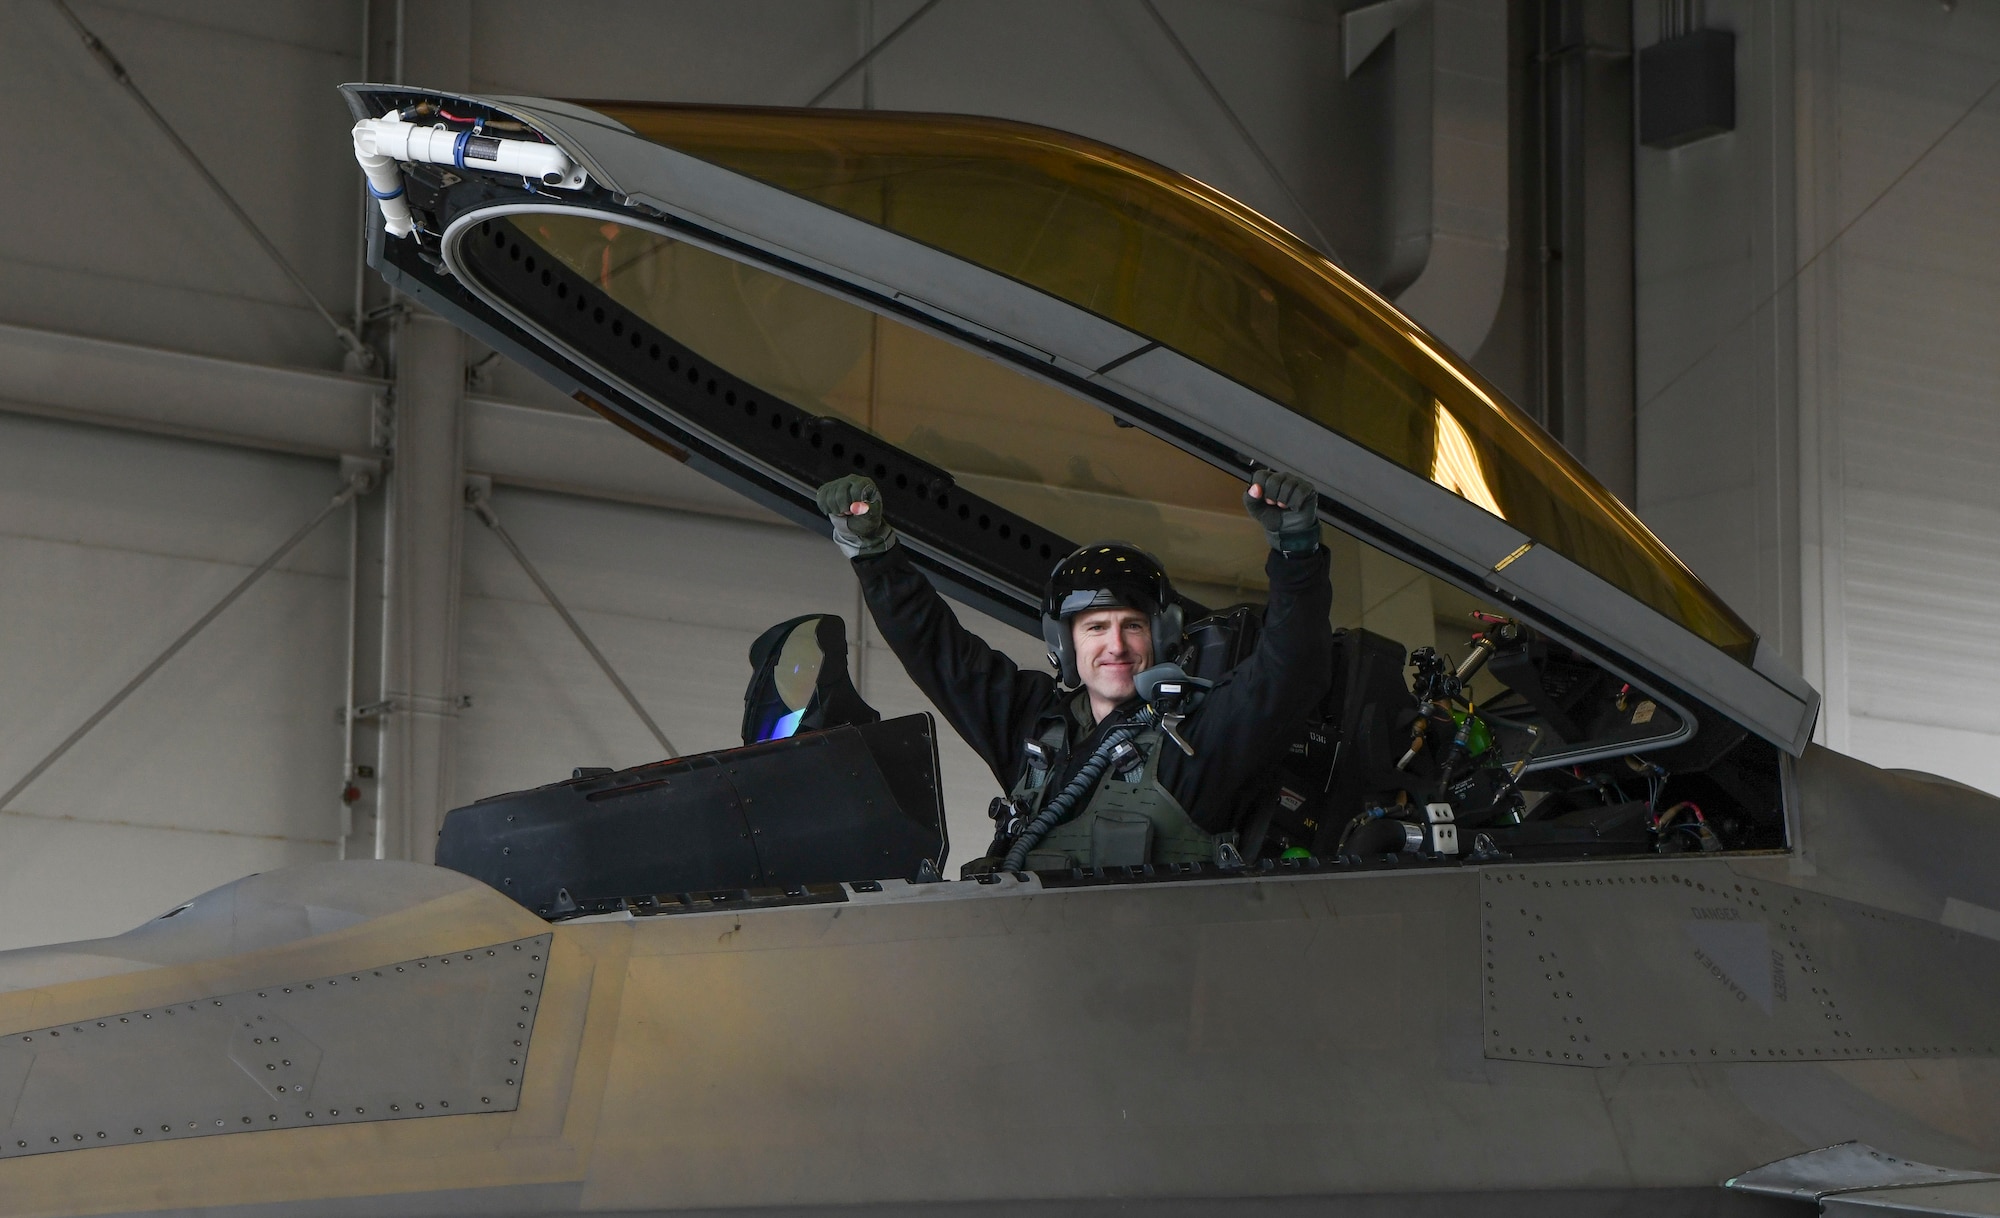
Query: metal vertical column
x=424 y=533
x=426 y=529
x=1587 y=319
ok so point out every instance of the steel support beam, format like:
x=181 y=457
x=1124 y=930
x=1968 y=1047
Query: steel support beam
x=79 y=379
x=425 y=539
x=150 y=389
x=1587 y=320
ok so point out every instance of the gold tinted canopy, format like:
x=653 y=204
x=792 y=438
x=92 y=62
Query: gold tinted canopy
x=1186 y=266
x=1014 y=441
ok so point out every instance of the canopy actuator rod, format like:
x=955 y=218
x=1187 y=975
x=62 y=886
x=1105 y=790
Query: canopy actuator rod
x=476 y=499
x=358 y=483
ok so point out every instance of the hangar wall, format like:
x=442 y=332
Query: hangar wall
x=1816 y=431
x=170 y=408
x=1716 y=399
x=1898 y=379
x=111 y=543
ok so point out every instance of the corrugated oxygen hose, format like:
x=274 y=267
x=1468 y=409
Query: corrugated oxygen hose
x=1058 y=808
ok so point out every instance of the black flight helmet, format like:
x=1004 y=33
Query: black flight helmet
x=1108 y=575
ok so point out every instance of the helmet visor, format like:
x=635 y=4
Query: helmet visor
x=1107 y=575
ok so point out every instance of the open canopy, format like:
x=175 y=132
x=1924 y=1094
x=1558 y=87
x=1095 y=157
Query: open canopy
x=1194 y=271
x=1034 y=340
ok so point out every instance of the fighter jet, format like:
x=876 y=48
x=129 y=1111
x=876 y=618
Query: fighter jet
x=1552 y=906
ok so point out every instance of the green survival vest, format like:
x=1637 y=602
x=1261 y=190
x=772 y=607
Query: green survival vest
x=1121 y=824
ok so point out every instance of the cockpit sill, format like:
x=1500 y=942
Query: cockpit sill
x=739 y=901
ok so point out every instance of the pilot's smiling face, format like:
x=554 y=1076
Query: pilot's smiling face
x=1112 y=645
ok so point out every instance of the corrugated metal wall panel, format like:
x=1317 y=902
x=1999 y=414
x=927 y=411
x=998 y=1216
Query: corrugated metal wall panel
x=1918 y=385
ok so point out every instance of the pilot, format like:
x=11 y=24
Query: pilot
x=1109 y=614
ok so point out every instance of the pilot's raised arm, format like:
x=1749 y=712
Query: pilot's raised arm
x=981 y=692
x=1075 y=796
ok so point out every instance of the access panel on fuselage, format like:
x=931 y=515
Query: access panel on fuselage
x=1686 y=961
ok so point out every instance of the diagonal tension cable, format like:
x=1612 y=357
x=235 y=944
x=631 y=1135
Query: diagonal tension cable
x=1242 y=131
x=476 y=499
x=872 y=52
x=357 y=484
x=348 y=338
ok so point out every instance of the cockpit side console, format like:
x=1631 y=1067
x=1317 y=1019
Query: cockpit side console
x=1527 y=749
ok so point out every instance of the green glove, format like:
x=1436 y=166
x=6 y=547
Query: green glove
x=854 y=505
x=1287 y=506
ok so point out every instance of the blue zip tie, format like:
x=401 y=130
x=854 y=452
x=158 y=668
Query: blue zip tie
x=378 y=194
x=458 y=148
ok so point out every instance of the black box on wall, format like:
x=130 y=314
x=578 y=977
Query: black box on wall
x=1687 y=88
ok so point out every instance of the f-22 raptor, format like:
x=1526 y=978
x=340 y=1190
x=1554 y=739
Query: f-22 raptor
x=1552 y=908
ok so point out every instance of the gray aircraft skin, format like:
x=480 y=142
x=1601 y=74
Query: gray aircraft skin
x=1801 y=1011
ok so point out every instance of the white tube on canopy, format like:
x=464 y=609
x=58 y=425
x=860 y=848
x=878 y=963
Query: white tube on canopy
x=385 y=182
x=379 y=143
